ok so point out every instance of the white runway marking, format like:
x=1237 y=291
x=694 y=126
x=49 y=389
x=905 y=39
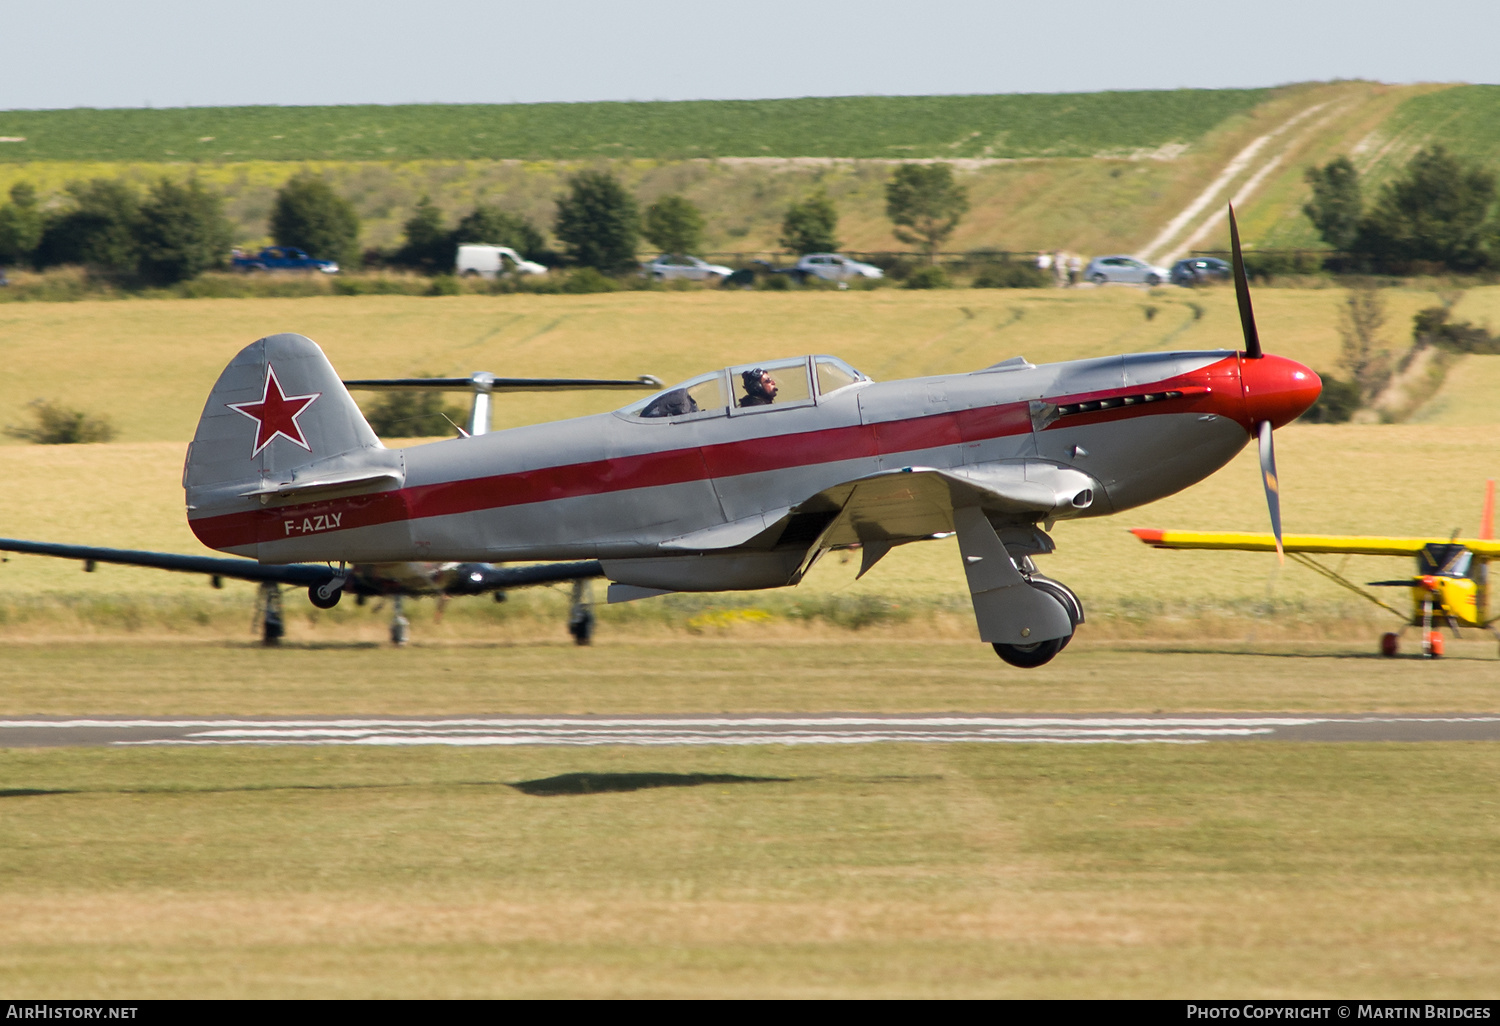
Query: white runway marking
x=745 y=730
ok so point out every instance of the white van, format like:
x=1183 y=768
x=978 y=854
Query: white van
x=492 y=261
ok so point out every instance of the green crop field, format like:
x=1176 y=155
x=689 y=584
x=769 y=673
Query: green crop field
x=1039 y=125
x=1094 y=173
x=1466 y=119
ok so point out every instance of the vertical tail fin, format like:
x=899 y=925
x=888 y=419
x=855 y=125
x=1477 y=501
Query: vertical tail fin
x=279 y=422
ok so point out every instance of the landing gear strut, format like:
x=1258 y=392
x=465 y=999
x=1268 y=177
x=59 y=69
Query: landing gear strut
x=581 y=615
x=268 y=612
x=400 y=625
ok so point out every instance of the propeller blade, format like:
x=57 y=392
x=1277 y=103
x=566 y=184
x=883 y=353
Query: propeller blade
x=1273 y=486
x=1242 y=291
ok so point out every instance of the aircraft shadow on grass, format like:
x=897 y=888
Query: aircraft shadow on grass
x=605 y=783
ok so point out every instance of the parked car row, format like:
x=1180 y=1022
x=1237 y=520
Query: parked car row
x=1130 y=270
x=485 y=261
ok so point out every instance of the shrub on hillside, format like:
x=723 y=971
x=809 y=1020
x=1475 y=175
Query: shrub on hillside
x=674 y=225
x=1011 y=274
x=1266 y=267
x=598 y=222
x=182 y=232
x=1436 y=214
x=413 y=413
x=58 y=425
x=1433 y=327
x=445 y=285
x=811 y=226
x=98 y=231
x=428 y=245
x=20 y=226
x=586 y=280
x=495 y=227
x=308 y=214
x=1339 y=401
x=1335 y=206
x=929 y=277
x=925 y=204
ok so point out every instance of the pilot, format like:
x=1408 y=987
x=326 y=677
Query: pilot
x=760 y=388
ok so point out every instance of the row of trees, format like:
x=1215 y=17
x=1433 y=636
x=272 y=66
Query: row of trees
x=173 y=233
x=1438 y=214
x=178 y=229
x=599 y=224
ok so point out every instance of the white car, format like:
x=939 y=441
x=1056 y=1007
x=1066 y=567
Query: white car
x=1125 y=269
x=833 y=267
x=675 y=265
x=492 y=261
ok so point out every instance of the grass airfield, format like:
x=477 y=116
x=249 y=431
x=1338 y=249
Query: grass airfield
x=1221 y=870
x=875 y=871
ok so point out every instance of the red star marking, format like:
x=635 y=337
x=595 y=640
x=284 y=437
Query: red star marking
x=276 y=414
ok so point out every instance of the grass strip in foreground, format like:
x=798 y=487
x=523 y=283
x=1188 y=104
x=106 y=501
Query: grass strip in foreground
x=1243 y=870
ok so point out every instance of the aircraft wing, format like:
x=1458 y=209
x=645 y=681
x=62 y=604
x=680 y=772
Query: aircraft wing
x=241 y=569
x=918 y=502
x=1358 y=545
x=477 y=578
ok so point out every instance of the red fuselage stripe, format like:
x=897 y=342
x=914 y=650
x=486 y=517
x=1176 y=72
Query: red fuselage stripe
x=679 y=466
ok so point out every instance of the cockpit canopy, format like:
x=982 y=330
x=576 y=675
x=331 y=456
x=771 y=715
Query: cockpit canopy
x=750 y=388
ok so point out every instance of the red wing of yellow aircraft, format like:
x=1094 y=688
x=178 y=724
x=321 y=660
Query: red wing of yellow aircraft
x=1451 y=582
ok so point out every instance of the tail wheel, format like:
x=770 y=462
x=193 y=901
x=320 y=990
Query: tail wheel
x=1390 y=644
x=1038 y=653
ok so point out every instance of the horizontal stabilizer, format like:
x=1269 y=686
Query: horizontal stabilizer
x=347 y=483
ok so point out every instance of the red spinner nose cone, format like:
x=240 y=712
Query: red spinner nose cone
x=1277 y=389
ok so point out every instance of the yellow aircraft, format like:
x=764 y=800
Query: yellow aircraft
x=1451 y=582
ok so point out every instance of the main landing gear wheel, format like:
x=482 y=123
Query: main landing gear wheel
x=324 y=595
x=1038 y=653
x=582 y=627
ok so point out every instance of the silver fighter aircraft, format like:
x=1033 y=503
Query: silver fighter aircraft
x=742 y=477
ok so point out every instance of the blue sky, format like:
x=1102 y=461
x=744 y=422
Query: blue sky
x=170 y=53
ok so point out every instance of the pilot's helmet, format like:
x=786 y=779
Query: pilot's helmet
x=752 y=380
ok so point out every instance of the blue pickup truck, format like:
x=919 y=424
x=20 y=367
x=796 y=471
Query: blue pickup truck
x=280 y=258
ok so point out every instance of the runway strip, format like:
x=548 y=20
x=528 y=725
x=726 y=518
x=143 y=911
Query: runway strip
x=831 y=729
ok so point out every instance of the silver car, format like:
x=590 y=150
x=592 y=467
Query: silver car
x=1124 y=269
x=676 y=265
x=833 y=267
